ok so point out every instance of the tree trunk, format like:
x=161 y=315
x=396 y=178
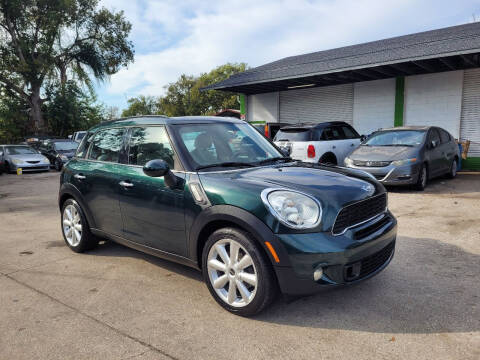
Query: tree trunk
x=36 y=116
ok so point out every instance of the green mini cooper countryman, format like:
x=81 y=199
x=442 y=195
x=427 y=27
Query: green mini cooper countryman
x=214 y=194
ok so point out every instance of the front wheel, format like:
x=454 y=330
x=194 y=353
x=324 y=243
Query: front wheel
x=58 y=164
x=236 y=272
x=422 y=178
x=75 y=229
x=453 y=169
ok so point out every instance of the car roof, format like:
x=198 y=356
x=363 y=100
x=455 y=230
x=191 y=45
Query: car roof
x=164 y=120
x=313 y=125
x=421 y=128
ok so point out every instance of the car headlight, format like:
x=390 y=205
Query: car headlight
x=404 y=162
x=348 y=161
x=17 y=161
x=293 y=209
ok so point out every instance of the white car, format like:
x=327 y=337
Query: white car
x=326 y=143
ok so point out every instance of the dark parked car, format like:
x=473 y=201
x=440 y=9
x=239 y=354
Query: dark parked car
x=214 y=194
x=58 y=151
x=408 y=155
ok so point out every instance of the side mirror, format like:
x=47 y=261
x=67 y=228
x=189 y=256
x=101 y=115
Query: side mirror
x=159 y=168
x=363 y=138
x=433 y=144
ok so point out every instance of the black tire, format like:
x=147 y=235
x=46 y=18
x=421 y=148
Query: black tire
x=266 y=284
x=328 y=159
x=7 y=168
x=422 y=178
x=58 y=164
x=87 y=240
x=453 y=169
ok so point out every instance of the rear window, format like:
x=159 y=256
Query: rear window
x=300 y=134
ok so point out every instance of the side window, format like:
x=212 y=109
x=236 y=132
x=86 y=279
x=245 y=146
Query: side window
x=84 y=145
x=444 y=136
x=332 y=133
x=106 y=145
x=350 y=132
x=434 y=136
x=149 y=144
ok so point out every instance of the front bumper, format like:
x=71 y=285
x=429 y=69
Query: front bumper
x=26 y=167
x=358 y=254
x=393 y=175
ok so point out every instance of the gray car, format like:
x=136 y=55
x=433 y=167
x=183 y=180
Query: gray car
x=409 y=155
x=24 y=157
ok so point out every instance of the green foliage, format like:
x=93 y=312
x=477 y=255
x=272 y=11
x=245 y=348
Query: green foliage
x=184 y=97
x=141 y=105
x=13 y=118
x=43 y=42
x=71 y=109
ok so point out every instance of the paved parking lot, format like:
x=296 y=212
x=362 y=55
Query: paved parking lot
x=116 y=303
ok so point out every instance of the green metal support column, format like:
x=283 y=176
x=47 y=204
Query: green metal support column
x=399 y=101
x=243 y=108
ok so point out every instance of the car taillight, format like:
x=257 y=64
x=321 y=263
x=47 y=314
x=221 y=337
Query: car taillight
x=311 y=151
x=267 y=133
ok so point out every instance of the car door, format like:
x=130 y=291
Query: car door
x=434 y=152
x=448 y=148
x=96 y=176
x=153 y=213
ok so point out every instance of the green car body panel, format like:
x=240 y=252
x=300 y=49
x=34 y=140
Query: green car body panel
x=167 y=221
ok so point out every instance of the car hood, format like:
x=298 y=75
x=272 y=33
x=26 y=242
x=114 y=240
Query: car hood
x=334 y=187
x=68 y=154
x=28 y=157
x=383 y=153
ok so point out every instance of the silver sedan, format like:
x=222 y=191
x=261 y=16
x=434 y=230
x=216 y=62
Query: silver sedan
x=21 y=156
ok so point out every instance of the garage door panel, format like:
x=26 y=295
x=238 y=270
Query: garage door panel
x=470 y=118
x=320 y=104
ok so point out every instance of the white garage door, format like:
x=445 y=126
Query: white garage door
x=320 y=104
x=470 y=119
x=373 y=105
x=434 y=100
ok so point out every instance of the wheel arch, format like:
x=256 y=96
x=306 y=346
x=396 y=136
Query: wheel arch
x=68 y=191
x=329 y=154
x=220 y=216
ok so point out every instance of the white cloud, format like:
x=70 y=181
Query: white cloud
x=175 y=37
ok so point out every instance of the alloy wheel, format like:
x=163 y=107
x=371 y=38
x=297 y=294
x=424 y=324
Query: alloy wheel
x=72 y=225
x=232 y=273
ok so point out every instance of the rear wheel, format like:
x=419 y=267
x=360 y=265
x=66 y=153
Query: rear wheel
x=453 y=169
x=75 y=229
x=422 y=178
x=236 y=272
x=329 y=159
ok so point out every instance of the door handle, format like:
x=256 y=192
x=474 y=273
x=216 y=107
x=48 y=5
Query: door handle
x=334 y=147
x=79 y=176
x=352 y=144
x=126 y=184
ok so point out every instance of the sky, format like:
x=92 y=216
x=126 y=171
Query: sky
x=174 y=37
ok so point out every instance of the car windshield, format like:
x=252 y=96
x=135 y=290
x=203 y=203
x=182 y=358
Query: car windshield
x=20 y=150
x=396 y=138
x=225 y=144
x=66 y=146
x=300 y=134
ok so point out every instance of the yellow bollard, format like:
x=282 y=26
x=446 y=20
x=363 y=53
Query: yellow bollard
x=19 y=171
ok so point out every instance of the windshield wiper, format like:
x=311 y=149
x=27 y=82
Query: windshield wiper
x=225 y=164
x=278 y=158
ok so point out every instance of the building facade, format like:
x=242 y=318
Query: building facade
x=430 y=78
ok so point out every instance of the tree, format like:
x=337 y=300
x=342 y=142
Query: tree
x=185 y=97
x=44 y=40
x=13 y=118
x=141 y=105
x=71 y=109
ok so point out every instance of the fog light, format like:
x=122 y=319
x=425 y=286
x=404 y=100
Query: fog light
x=317 y=274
